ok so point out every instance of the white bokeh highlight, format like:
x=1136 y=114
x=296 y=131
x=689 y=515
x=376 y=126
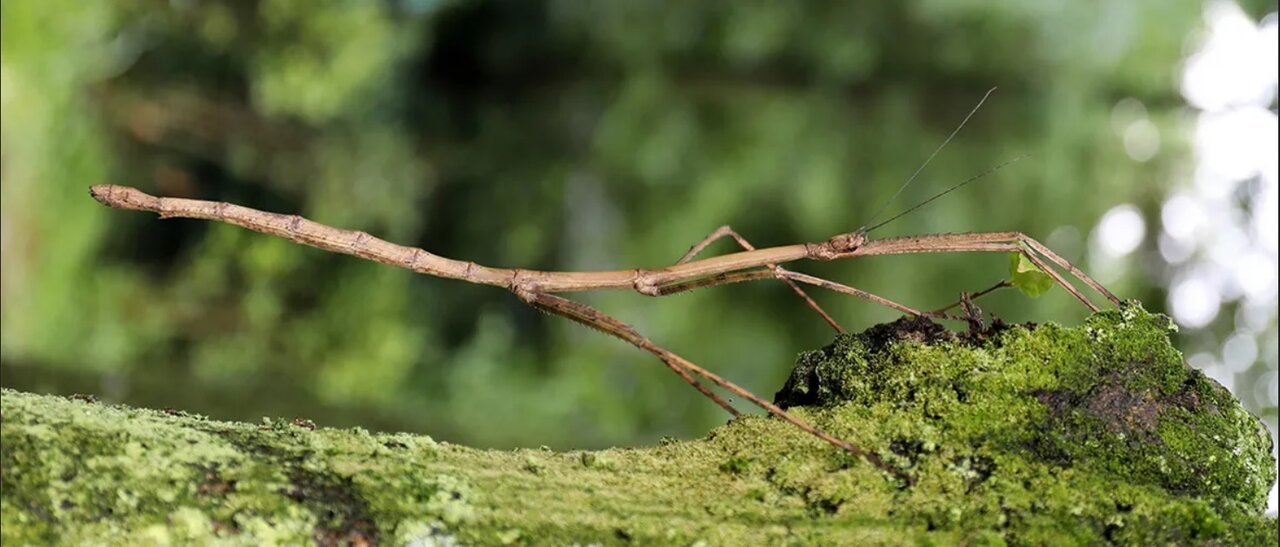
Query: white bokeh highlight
x=1120 y=231
x=1218 y=231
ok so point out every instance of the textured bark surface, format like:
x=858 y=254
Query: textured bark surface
x=1021 y=435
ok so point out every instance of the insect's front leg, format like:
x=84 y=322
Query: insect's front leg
x=1012 y=242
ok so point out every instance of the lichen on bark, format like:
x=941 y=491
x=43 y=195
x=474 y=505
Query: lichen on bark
x=1020 y=434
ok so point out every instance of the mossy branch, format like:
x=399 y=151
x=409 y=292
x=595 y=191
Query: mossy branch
x=1022 y=435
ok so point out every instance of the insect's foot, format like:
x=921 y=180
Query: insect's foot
x=972 y=314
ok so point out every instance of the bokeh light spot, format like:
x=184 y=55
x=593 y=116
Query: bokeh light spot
x=1181 y=216
x=1120 y=231
x=1142 y=140
x=1239 y=352
x=1194 y=301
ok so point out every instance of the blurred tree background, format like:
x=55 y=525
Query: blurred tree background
x=568 y=135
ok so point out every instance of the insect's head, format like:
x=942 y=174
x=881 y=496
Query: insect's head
x=848 y=242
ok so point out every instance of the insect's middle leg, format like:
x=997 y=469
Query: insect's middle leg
x=778 y=271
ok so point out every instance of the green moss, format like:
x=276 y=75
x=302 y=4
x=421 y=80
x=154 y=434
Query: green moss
x=1020 y=435
x=1111 y=396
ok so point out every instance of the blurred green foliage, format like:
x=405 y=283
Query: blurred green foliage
x=552 y=135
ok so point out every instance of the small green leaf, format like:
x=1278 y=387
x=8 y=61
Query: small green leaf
x=1024 y=275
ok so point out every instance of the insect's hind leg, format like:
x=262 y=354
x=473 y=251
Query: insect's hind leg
x=591 y=317
x=596 y=319
x=778 y=272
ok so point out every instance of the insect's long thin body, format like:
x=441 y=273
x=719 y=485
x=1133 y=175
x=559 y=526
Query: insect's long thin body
x=647 y=281
x=535 y=287
x=363 y=245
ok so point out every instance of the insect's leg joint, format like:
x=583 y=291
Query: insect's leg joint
x=644 y=284
x=525 y=292
x=820 y=251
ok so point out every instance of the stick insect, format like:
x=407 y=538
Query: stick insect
x=541 y=289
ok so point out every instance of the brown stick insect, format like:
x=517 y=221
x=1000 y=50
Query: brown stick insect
x=540 y=288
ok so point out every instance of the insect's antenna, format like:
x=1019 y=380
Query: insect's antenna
x=931 y=156
x=945 y=192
